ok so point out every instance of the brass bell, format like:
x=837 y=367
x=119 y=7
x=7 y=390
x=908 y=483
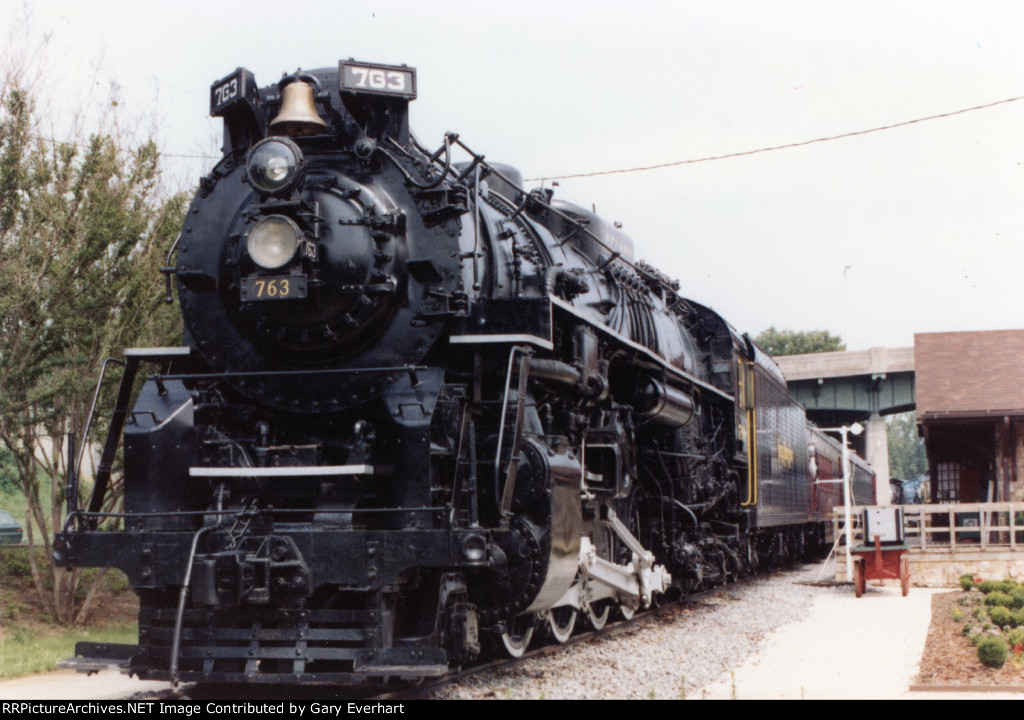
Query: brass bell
x=298 y=114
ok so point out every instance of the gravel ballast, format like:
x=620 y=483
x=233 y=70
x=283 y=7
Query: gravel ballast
x=673 y=656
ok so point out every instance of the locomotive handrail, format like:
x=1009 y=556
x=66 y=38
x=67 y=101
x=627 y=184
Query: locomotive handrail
x=88 y=515
x=269 y=511
x=411 y=369
x=664 y=364
x=679 y=299
x=505 y=503
x=478 y=160
x=446 y=148
x=167 y=270
x=92 y=412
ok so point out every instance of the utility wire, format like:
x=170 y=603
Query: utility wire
x=775 y=147
x=693 y=160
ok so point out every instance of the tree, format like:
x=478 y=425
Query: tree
x=84 y=224
x=792 y=342
x=907 y=457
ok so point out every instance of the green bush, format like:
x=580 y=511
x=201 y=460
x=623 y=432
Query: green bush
x=978 y=613
x=1001 y=616
x=1016 y=635
x=992 y=651
x=1018 y=598
x=966 y=582
x=1018 y=618
x=14 y=561
x=998 y=598
x=987 y=586
x=958 y=615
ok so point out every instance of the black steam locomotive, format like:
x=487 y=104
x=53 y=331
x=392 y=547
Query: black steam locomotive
x=422 y=412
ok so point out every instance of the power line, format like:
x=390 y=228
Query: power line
x=775 y=147
x=695 y=160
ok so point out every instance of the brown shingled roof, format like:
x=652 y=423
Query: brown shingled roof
x=969 y=373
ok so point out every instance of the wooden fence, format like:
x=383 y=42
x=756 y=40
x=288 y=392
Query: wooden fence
x=949 y=527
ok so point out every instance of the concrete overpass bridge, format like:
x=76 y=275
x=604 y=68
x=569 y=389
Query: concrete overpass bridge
x=840 y=388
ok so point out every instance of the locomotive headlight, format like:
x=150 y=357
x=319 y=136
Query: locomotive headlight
x=275 y=166
x=272 y=241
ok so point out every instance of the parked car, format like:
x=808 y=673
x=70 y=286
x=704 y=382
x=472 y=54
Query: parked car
x=909 y=492
x=10 y=530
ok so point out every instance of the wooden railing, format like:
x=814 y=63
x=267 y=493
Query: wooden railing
x=948 y=527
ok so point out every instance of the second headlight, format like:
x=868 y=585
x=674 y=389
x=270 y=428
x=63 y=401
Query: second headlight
x=272 y=241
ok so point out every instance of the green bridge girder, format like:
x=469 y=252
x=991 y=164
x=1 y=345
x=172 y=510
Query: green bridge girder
x=834 y=401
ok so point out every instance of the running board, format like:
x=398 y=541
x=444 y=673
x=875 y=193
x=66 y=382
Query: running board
x=287 y=471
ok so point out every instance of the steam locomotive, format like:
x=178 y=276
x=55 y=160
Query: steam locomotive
x=422 y=413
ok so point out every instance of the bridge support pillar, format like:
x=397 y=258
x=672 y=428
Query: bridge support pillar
x=877 y=450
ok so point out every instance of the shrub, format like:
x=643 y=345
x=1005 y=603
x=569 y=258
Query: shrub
x=987 y=586
x=978 y=634
x=992 y=651
x=1001 y=616
x=1018 y=618
x=966 y=582
x=978 y=613
x=1016 y=635
x=1018 y=598
x=998 y=598
x=14 y=561
x=958 y=614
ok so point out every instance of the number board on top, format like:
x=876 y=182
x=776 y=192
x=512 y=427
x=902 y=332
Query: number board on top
x=398 y=80
x=241 y=84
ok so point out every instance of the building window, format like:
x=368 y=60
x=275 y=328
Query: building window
x=947 y=477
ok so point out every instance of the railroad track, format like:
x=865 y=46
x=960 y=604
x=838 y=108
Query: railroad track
x=430 y=686
x=551 y=647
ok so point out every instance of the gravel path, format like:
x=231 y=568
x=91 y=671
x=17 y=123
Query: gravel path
x=669 y=657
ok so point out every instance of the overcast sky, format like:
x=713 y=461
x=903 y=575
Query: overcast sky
x=873 y=237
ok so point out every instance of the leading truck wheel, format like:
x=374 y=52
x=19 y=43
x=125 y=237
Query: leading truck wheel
x=518 y=637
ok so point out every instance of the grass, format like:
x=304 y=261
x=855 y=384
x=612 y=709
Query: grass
x=30 y=642
x=25 y=652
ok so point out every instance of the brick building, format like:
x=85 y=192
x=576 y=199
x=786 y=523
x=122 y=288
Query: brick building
x=970 y=410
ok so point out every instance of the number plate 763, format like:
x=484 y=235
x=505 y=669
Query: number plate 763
x=285 y=287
